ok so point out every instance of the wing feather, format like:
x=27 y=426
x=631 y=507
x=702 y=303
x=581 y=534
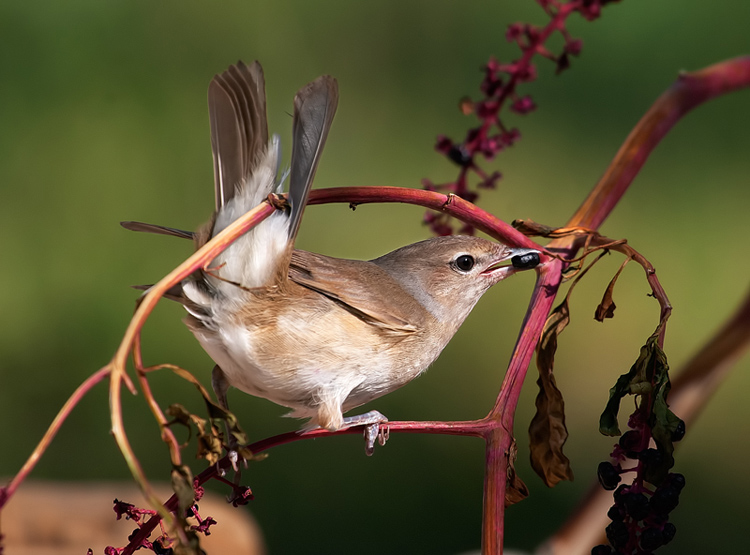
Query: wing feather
x=386 y=306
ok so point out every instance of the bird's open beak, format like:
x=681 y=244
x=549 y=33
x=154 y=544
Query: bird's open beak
x=520 y=259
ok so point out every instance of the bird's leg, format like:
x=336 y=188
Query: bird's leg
x=376 y=427
x=221 y=386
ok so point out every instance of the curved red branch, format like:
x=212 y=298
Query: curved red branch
x=690 y=90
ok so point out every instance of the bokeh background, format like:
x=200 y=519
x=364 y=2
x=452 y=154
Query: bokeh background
x=103 y=118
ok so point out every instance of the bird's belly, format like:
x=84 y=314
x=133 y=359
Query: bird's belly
x=233 y=350
x=298 y=371
x=302 y=363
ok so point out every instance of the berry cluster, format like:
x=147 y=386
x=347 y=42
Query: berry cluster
x=163 y=545
x=498 y=90
x=640 y=514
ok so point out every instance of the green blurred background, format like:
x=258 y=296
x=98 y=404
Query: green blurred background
x=103 y=118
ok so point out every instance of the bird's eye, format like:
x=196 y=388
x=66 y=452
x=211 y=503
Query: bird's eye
x=465 y=262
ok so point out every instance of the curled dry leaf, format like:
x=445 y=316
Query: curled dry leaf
x=530 y=228
x=209 y=438
x=547 y=431
x=649 y=378
x=515 y=489
x=182 y=484
x=606 y=308
x=215 y=412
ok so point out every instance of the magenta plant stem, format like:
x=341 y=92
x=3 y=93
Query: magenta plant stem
x=449 y=204
x=690 y=90
x=500 y=447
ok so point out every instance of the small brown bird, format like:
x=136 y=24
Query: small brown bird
x=319 y=335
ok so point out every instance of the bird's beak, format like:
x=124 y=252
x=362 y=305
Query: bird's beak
x=520 y=259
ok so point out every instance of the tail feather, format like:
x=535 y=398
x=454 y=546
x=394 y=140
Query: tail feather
x=314 y=107
x=246 y=171
x=159 y=229
x=239 y=128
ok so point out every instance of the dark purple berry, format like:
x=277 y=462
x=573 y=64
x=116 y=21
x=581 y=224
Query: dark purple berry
x=676 y=481
x=459 y=155
x=651 y=457
x=602 y=550
x=664 y=500
x=620 y=493
x=651 y=538
x=617 y=534
x=615 y=513
x=631 y=442
x=679 y=431
x=159 y=549
x=668 y=532
x=608 y=475
x=636 y=505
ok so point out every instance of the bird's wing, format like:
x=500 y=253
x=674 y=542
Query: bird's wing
x=385 y=305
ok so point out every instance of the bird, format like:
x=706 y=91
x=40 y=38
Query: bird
x=317 y=334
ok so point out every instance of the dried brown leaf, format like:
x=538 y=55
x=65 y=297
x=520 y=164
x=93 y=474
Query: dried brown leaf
x=531 y=228
x=606 y=308
x=547 y=431
x=182 y=484
x=515 y=489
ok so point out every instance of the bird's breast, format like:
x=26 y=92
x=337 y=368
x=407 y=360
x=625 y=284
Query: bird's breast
x=290 y=348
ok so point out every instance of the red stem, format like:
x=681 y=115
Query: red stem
x=450 y=204
x=689 y=91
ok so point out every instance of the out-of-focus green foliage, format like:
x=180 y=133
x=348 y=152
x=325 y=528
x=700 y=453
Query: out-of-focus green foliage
x=103 y=118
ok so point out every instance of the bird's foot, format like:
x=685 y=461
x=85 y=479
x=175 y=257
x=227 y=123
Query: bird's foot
x=235 y=457
x=376 y=428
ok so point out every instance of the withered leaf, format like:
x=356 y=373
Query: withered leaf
x=179 y=413
x=649 y=377
x=608 y=424
x=182 y=484
x=547 y=431
x=192 y=547
x=215 y=412
x=531 y=228
x=209 y=446
x=636 y=381
x=606 y=308
x=663 y=422
x=515 y=489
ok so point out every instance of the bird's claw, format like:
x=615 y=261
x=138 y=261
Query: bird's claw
x=233 y=457
x=376 y=430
